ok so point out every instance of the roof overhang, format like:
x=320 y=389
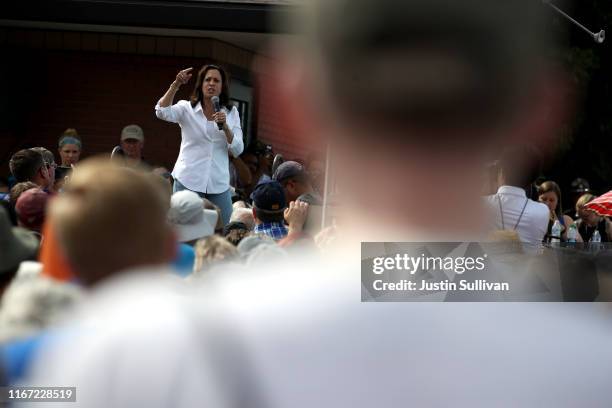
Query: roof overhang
x=253 y=16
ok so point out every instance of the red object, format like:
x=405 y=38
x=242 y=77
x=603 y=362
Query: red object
x=602 y=205
x=51 y=256
x=31 y=207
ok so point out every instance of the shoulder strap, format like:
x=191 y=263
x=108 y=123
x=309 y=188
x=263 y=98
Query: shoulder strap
x=521 y=216
x=501 y=212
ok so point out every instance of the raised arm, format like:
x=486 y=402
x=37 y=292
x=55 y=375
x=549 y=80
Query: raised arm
x=181 y=79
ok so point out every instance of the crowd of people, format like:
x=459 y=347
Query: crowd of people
x=62 y=235
x=528 y=208
x=214 y=285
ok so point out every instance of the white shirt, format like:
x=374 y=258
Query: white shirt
x=258 y=339
x=202 y=164
x=171 y=368
x=534 y=222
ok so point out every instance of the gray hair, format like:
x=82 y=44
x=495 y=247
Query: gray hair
x=33 y=303
x=245 y=216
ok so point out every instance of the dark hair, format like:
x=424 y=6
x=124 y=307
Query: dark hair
x=268 y=216
x=47 y=154
x=235 y=236
x=25 y=163
x=298 y=178
x=198 y=96
x=547 y=187
x=520 y=165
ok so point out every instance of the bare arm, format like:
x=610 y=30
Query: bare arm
x=181 y=79
x=229 y=135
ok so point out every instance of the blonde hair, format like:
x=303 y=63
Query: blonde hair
x=72 y=135
x=71 y=132
x=583 y=199
x=20 y=188
x=110 y=218
x=211 y=250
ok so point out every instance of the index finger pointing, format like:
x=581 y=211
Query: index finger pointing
x=187 y=70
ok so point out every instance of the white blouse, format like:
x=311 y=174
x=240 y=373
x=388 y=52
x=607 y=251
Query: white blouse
x=202 y=164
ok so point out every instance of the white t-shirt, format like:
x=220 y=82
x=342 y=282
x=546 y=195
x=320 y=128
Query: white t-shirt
x=202 y=164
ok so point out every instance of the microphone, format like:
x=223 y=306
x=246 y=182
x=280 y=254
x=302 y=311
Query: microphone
x=217 y=108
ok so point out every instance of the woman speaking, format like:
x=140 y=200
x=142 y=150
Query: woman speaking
x=207 y=135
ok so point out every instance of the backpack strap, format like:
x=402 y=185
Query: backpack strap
x=522 y=212
x=501 y=213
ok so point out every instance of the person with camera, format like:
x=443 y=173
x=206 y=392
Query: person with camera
x=210 y=129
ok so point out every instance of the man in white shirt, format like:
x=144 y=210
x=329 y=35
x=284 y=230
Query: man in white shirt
x=510 y=208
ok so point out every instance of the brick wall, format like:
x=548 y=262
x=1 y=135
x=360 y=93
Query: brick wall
x=97 y=83
x=100 y=82
x=280 y=124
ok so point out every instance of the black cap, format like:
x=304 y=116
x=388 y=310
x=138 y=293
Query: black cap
x=269 y=196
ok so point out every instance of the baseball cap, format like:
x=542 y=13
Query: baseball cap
x=31 y=207
x=16 y=244
x=269 y=196
x=289 y=169
x=189 y=217
x=132 y=132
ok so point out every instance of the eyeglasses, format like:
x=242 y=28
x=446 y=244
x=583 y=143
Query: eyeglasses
x=51 y=165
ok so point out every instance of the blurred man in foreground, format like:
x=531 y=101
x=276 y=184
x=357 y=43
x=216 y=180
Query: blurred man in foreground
x=412 y=96
x=111 y=219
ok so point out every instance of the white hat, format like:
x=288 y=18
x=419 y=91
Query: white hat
x=132 y=132
x=189 y=217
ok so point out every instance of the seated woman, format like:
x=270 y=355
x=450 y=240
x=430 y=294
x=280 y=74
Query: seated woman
x=589 y=221
x=549 y=193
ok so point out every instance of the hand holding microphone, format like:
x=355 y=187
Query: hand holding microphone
x=219 y=115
